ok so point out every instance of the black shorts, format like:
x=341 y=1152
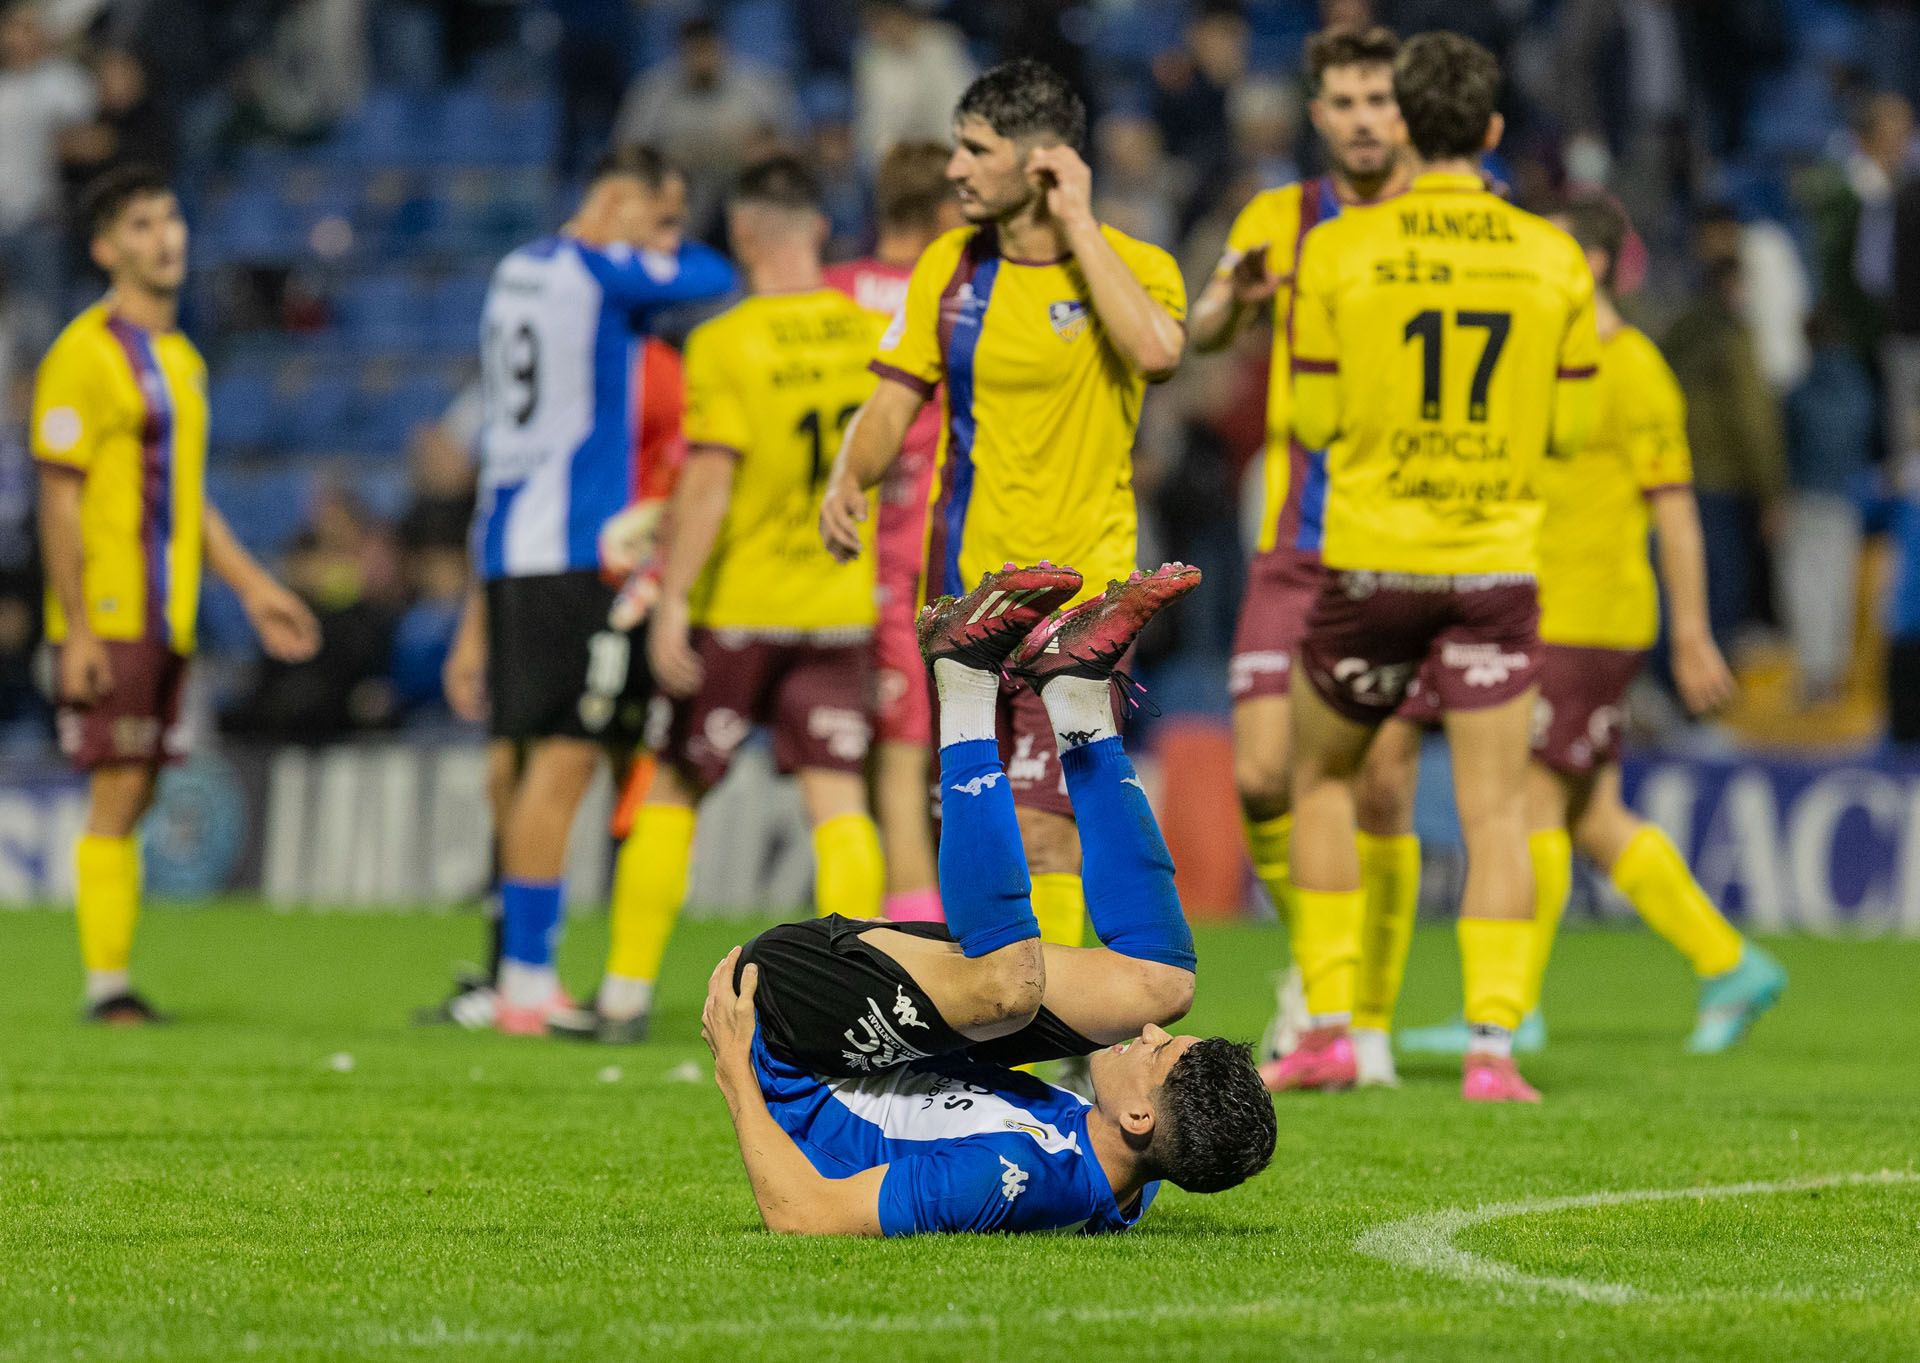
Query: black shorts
x=554 y=669
x=838 y=1007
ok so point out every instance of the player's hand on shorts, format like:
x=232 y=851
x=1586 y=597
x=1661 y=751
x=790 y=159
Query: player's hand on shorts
x=1706 y=682
x=1250 y=279
x=86 y=672
x=1068 y=183
x=676 y=667
x=287 y=629
x=727 y=1020
x=464 y=677
x=842 y=514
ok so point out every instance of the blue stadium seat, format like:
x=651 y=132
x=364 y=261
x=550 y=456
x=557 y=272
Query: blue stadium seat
x=242 y=410
x=252 y=223
x=315 y=416
x=383 y=312
x=457 y=303
x=390 y=128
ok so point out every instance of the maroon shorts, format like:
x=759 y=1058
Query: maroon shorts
x=903 y=702
x=814 y=696
x=138 y=721
x=1281 y=587
x=1028 y=750
x=1369 y=634
x=1577 y=720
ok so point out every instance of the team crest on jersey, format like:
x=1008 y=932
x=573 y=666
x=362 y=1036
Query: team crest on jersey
x=1069 y=318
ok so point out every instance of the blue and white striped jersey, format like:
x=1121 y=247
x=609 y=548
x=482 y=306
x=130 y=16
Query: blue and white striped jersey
x=557 y=345
x=968 y=1147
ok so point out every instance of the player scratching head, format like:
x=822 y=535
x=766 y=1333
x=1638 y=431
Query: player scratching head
x=1189 y=1111
x=776 y=225
x=139 y=237
x=635 y=197
x=1351 y=76
x=1006 y=115
x=1447 y=87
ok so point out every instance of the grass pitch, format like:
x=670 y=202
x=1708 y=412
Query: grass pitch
x=291 y=1172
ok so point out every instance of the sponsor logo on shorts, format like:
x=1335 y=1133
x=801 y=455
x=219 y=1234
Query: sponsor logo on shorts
x=979 y=785
x=1368 y=684
x=845 y=732
x=1245 y=669
x=724 y=730
x=1482 y=664
x=1026 y=767
x=1013 y=1181
x=874 y=1044
x=135 y=736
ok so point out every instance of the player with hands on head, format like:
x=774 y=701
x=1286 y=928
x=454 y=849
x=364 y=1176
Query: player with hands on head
x=866 y=1065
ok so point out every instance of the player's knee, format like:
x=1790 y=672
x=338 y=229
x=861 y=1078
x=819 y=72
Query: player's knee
x=1166 y=993
x=1262 y=784
x=1383 y=809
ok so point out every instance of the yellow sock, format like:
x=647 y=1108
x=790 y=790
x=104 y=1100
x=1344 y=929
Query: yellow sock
x=1270 y=843
x=649 y=885
x=849 y=874
x=1655 y=880
x=1326 y=946
x=1495 y=956
x=106 y=899
x=1390 y=875
x=1060 y=907
x=1551 y=852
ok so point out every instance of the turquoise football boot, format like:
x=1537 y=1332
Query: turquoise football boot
x=1732 y=1002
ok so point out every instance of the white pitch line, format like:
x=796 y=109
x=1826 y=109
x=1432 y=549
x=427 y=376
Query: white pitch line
x=1426 y=1242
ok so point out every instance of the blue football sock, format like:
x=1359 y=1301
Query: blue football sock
x=1124 y=862
x=529 y=920
x=983 y=868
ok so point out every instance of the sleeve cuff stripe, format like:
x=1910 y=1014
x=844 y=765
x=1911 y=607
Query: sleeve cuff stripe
x=1651 y=492
x=714 y=447
x=1303 y=366
x=1583 y=372
x=913 y=381
x=59 y=466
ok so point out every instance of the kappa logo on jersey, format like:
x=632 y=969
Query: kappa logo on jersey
x=1482 y=664
x=905 y=1012
x=980 y=784
x=1013 y=1180
x=1069 y=318
x=1133 y=781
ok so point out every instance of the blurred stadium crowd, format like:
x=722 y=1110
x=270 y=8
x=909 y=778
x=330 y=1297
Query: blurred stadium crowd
x=352 y=170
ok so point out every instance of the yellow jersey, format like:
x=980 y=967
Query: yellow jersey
x=1597 y=587
x=773 y=381
x=1441 y=343
x=1036 y=454
x=127 y=410
x=1295 y=477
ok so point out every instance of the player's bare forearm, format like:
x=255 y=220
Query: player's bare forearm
x=699 y=509
x=1217 y=317
x=229 y=559
x=60 y=552
x=1683 y=560
x=876 y=435
x=795 y=1198
x=1145 y=334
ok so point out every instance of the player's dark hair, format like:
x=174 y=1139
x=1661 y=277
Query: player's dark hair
x=103 y=200
x=640 y=160
x=1331 y=47
x=911 y=185
x=1447 y=87
x=1213 y=1119
x=1598 y=224
x=1026 y=98
x=780 y=181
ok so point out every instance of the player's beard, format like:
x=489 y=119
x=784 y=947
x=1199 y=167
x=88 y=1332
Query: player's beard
x=1367 y=181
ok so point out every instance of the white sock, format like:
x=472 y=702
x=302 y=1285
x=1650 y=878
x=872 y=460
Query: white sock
x=1081 y=710
x=527 y=986
x=1320 y=1022
x=622 y=997
x=1487 y=1039
x=105 y=984
x=969 y=702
